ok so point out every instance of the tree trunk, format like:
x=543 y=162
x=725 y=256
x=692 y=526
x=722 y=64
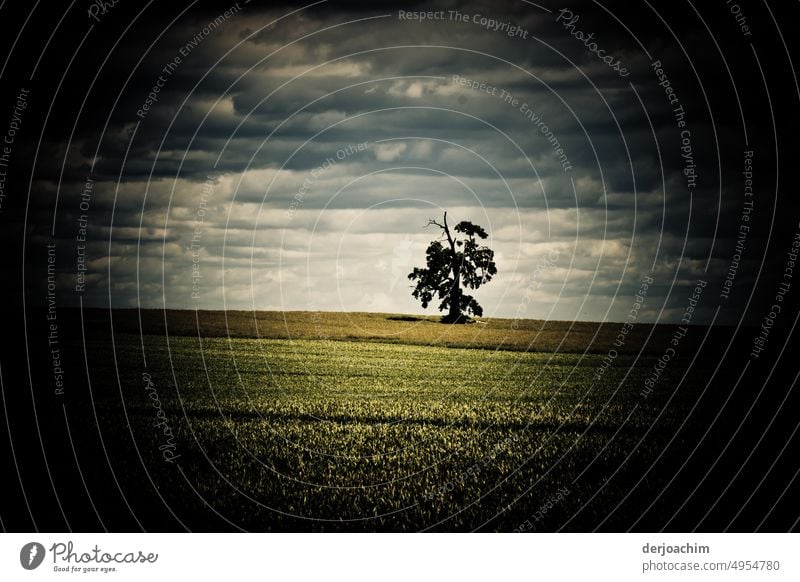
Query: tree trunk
x=455 y=297
x=454 y=315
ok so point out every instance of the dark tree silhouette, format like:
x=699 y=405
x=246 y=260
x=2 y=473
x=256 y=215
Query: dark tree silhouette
x=453 y=261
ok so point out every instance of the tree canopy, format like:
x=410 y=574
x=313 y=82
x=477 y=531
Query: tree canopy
x=454 y=260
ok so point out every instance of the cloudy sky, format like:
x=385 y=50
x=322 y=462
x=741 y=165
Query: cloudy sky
x=289 y=157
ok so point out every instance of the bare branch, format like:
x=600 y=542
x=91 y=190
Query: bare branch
x=433 y=222
x=449 y=238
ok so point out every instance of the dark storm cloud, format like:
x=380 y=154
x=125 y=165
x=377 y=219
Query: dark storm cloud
x=257 y=109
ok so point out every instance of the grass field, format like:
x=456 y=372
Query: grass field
x=530 y=335
x=365 y=435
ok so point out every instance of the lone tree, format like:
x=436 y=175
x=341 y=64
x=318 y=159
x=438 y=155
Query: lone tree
x=460 y=262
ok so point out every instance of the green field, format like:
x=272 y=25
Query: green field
x=321 y=435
